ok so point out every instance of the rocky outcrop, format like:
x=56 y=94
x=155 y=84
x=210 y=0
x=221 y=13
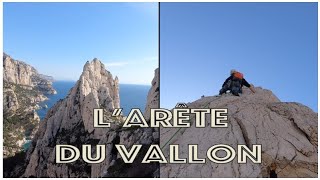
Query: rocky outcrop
x=288 y=133
x=153 y=95
x=18 y=72
x=70 y=121
x=10 y=102
x=114 y=166
x=23 y=89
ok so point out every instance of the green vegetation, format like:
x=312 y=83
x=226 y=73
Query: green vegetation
x=24 y=94
x=18 y=124
x=16 y=128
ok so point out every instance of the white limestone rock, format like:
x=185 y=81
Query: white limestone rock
x=288 y=133
x=70 y=121
x=18 y=72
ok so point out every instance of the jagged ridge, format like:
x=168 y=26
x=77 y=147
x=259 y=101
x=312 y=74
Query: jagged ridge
x=70 y=122
x=18 y=72
x=287 y=131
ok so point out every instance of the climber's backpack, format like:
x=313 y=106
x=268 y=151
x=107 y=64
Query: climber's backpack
x=238 y=75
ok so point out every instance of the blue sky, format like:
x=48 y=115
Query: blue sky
x=58 y=38
x=274 y=44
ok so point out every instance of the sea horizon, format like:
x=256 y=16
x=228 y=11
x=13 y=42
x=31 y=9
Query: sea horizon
x=131 y=96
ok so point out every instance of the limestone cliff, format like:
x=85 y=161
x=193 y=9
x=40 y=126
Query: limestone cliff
x=128 y=136
x=20 y=120
x=18 y=72
x=288 y=133
x=153 y=95
x=23 y=89
x=70 y=121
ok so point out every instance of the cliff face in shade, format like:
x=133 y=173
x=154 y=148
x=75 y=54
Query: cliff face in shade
x=23 y=89
x=114 y=166
x=288 y=133
x=70 y=121
x=153 y=95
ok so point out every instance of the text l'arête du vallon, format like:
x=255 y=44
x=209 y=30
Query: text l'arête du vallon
x=178 y=118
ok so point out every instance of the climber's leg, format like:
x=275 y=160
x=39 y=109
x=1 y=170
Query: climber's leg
x=235 y=91
x=235 y=88
x=225 y=88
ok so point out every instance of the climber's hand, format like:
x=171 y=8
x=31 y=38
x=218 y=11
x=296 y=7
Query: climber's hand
x=252 y=88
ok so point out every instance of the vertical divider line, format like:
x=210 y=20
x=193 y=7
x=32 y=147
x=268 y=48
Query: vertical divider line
x=159 y=52
x=159 y=80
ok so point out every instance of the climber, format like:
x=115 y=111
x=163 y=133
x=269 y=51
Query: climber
x=234 y=83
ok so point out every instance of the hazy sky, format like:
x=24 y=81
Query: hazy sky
x=58 y=38
x=274 y=44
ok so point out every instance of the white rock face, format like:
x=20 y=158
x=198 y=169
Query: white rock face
x=97 y=88
x=288 y=133
x=18 y=72
x=70 y=122
x=72 y=118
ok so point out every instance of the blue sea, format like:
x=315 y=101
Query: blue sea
x=62 y=88
x=131 y=96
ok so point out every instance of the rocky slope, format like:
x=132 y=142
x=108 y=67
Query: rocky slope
x=288 y=133
x=70 y=121
x=23 y=89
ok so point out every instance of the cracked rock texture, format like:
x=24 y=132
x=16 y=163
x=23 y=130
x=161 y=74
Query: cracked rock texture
x=288 y=133
x=70 y=121
x=18 y=72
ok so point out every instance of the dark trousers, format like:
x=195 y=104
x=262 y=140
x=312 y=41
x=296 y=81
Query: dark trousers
x=233 y=85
